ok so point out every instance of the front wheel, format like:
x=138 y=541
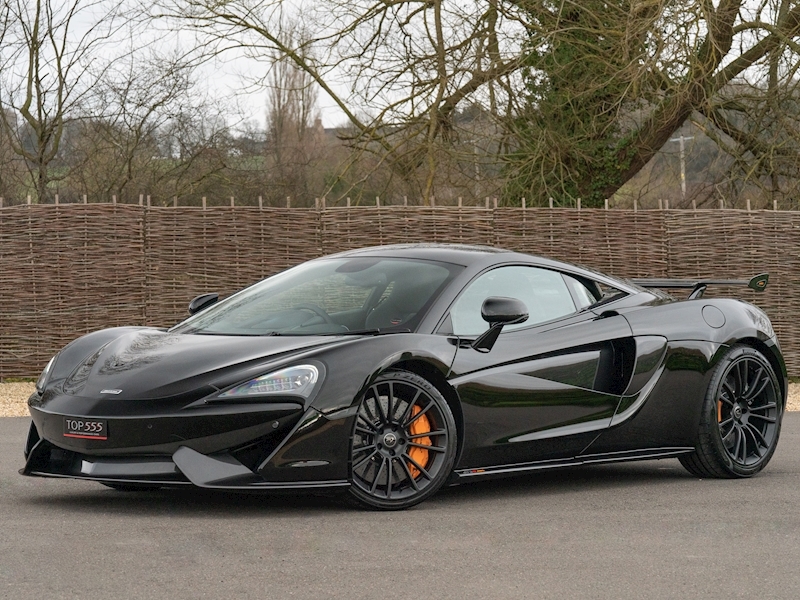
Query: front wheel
x=741 y=418
x=403 y=443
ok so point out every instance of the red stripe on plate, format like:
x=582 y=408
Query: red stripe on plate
x=85 y=437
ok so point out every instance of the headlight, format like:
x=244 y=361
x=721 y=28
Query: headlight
x=42 y=381
x=293 y=381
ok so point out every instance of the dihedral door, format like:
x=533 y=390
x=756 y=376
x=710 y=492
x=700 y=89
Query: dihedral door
x=545 y=390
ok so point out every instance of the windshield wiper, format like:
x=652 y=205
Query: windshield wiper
x=358 y=332
x=370 y=332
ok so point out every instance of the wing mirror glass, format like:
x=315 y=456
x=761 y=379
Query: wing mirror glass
x=499 y=311
x=202 y=302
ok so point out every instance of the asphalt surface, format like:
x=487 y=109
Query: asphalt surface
x=641 y=530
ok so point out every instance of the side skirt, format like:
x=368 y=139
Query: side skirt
x=465 y=475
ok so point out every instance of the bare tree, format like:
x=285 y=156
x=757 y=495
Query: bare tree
x=124 y=144
x=50 y=55
x=404 y=67
x=294 y=130
x=583 y=92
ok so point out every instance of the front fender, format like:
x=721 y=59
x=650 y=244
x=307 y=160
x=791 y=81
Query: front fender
x=351 y=369
x=318 y=446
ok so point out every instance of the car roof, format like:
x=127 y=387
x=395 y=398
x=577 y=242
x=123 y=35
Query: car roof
x=479 y=256
x=460 y=254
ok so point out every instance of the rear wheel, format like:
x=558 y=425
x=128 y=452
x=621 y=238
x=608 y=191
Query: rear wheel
x=741 y=418
x=403 y=443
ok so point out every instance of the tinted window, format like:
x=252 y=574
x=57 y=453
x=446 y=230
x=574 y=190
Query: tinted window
x=583 y=296
x=544 y=292
x=328 y=297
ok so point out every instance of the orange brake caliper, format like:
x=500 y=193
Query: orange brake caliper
x=719 y=411
x=419 y=455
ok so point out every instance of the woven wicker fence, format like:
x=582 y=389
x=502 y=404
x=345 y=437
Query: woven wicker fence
x=70 y=269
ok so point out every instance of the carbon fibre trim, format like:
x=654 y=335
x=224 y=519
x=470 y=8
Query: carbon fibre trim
x=645 y=454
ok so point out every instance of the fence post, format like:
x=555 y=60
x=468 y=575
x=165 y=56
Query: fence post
x=378 y=201
x=232 y=202
x=523 y=203
x=204 y=202
x=579 y=203
x=635 y=204
x=85 y=199
x=721 y=203
x=113 y=198
x=550 y=201
x=260 y=203
x=56 y=199
x=148 y=200
x=174 y=202
x=348 y=202
x=141 y=199
x=748 y=205
x=774 y=205
x=459 y=202
x=666 y=203
x=694 y=204
x=606 y=203
x=405 y=200
x=288 y=202
x=660 y=204
x=29 y=199
x=1 y=202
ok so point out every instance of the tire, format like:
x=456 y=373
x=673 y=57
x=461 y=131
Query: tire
x=403 y=443
x=133 y=487
x=741 y=418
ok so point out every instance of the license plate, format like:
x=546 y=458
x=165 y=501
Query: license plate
x=86 y=429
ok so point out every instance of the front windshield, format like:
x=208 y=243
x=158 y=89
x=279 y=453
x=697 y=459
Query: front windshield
x=329 y=296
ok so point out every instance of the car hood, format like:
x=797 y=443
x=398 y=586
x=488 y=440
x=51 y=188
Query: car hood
x=151 y=363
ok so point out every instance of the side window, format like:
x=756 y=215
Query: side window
x=583 y=296
x=544 y=292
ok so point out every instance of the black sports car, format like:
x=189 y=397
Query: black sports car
x=391 y=371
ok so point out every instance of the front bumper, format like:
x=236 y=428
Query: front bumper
x=260 y=446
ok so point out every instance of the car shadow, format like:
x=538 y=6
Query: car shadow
x=193 y=502
x=188 y=501
x=571 y=480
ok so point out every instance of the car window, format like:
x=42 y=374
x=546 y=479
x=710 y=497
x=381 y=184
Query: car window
x=582 y=295
x=544 y=292
x=332 y=293
x=329 y=296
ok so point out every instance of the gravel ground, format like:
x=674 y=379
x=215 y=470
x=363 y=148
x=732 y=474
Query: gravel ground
x=13 y=397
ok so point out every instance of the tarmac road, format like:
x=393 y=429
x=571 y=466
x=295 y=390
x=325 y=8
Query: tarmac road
x=641 y=530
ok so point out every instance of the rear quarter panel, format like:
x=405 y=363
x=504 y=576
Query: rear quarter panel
x=699 y=333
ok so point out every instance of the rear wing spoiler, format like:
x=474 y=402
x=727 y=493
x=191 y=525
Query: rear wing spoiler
x=698 y=286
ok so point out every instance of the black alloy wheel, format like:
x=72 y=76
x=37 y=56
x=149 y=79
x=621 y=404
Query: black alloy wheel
x=741 y=418
x=403 y=443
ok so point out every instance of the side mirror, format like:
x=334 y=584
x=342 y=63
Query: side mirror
x=507 y=311
x=498 y=311
x=202 y=302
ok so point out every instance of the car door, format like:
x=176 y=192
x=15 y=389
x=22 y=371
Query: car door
x=549 y=385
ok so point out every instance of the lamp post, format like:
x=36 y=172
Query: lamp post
x=681 y=138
